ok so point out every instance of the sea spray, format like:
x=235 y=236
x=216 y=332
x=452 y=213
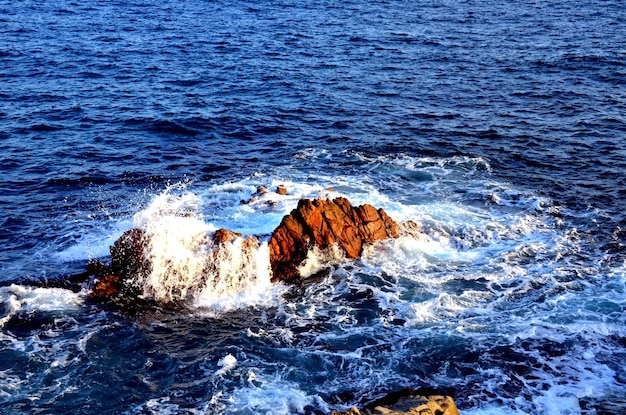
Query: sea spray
x=178 y=251
x=318 y=260
x=240 y=267
x=188 y=264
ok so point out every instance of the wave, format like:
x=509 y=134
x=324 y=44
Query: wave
x=499 y=291
x=181 y=219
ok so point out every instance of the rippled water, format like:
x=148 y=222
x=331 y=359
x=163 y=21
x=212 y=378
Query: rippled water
x=499 y=126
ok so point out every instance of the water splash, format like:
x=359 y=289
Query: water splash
x=240 y=271
x=188 y=264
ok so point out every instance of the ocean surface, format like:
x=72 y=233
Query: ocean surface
x=500 y=127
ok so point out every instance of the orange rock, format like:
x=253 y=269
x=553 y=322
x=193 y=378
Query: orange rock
x=408 y=402
x=224 y=235
x=281 y=189
x=323 y=223
x=106 y=287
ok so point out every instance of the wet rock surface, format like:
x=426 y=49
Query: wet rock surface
x=407 y=402
x=322 y=223
x=316 y=223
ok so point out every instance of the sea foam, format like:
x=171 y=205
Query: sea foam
x=187 y=265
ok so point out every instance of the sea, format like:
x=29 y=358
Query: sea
x=497 y=126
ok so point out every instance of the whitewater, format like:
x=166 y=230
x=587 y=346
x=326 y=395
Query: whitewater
x=498 y=127
x=486 y=302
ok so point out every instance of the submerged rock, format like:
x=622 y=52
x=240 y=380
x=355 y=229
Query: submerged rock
x=323 y=223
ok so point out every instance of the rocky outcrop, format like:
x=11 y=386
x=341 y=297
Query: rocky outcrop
x=323 y=223
x=407 y=402
x=317 y=223
x=130 y=262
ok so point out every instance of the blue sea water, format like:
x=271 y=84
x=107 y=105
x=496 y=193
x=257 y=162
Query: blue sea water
x=500 y=127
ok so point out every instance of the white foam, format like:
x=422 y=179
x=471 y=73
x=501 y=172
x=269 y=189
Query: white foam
x=189 y=266
x=227 y=363
x=178 y=251
x=273 y=397
x=317 y=260
x=22 y=298
x=241 y=266
x=440 y=308
x=424 y=250
x=168 y=204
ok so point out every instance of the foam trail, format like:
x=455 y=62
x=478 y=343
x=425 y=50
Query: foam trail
x=40 y=299
x=272 y=396
x=18 y=298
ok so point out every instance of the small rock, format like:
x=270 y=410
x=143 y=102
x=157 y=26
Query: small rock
x=224 y=235
x=281 y=189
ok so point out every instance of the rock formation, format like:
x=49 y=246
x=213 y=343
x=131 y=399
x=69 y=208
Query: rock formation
x=407 y=402
x=317 y=223
x=130 y=262
x=322 y=223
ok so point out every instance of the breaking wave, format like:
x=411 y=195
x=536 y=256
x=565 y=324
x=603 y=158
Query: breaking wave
x=499 y=290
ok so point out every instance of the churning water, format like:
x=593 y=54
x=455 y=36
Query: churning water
x=498 y=126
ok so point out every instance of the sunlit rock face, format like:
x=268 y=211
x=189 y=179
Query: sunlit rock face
x=407 y=402
x=323 y=223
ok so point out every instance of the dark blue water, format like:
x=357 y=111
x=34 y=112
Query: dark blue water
x=500 y=126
